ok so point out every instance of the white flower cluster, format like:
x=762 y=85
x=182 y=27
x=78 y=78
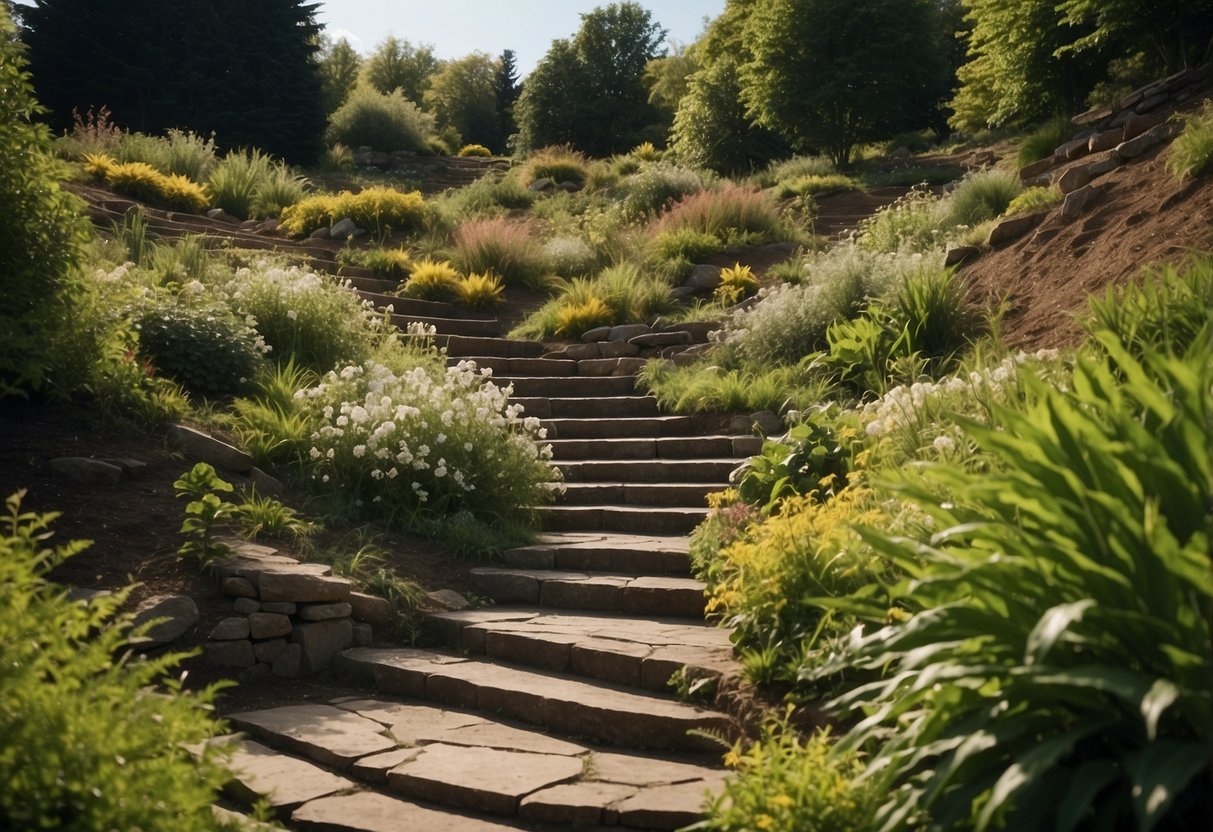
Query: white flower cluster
x=421 y=437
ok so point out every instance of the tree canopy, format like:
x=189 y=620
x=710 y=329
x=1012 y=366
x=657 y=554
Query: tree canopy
x=251 y=79
x=339 y=68
x=589 y=91
x=396 y=64
x=463 y=95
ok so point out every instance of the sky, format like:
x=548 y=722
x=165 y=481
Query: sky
x=458 y=27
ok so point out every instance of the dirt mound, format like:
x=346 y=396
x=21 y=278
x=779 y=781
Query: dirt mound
x=1142 y=215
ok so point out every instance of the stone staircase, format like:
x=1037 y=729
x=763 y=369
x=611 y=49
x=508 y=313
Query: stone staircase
x=553 y=706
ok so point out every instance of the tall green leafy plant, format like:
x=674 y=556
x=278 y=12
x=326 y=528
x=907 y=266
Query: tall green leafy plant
x=1058 y=674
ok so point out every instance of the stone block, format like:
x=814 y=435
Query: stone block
x=1014 y=227
x=87 y=471
x=598 y=333
x=289 y=665
x=578 y=352
x=266 y=484
x=203 y=447
x=372 y=608
x=269 y=651
x=1078 y=201
x=704 y=278
x=269 y=625
x=320 y=641
x=325 y=612
x=1031 y=171
x=237 y=587
x=229 y=654
x=246 y=606
x=1105 y=140
x=343 y=229
x=179 y=614
x=280 y=607
x=363 y=634
x=960 y=255
x=626 y=332
x=1137 y=125
x=660 y=339
x=617 y=349
x=231 y=629
x=1153 y=102
x=301 y=587
x=1074 y=149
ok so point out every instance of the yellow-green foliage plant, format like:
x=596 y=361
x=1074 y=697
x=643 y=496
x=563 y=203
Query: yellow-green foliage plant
x=736 y=284
x=812 y=185
x=431 y=280
x=646 y=152
x=142 y=181
x=573 y=319
x=379 y=210
x=1192 y=150
x=477 y=291
x=559 y=164
x=477 y=150
x=91 y=740
x=1034 y=199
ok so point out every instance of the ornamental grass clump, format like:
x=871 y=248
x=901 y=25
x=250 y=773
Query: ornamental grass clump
x=430 y=280
x=379 y=210
x=503 y=247
x=559 y=164
x=144 y=182
x=424 y=442
x=734 y=215
x=1192 y=150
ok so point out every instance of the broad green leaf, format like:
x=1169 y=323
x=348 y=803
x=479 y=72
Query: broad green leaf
x=1051 y=626
x=1161 y=696
x=1091 y=778
x=1160 y=774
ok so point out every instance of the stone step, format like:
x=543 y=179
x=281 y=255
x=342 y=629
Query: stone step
x=477 y=327
x=669 y=447
x=599 y=591
x=419 y=752
x=640 y=652
x=512 y=367
x=582 y=407
x=407 y=306
x=639 y=494
x=571 y=706
x=617 y=518
x=649 y=470
x=568 y=386
x=623 y=554
x=627 y=427
x=464 y=346
x=372 y=285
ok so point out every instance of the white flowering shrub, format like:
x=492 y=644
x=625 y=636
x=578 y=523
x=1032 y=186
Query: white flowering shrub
x=426 y=441
x=298 y=312
x=569 y=257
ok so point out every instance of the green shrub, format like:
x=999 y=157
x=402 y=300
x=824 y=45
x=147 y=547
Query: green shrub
x=646 y=152
x=142 y=181
x=1192 y=150
x=655 y=186
x=431 y=280
x=429 y=441
x=809 y=458
x=43 y=229
x=489 y=195
x=982 y=196
x=568 y=257
x=338 y=157
x=812 y=185
x=475 y=150
x=798 y=167
x=178 y=152
x=685 y=245
x=303 y=316
x=559 y=164
x=500 y=246
x=1034 y=199
x=786 y=782
x=1041 y=142
x=1065 y=613
x=388 y=262
x=234 y=181
x=911 y=224
x=386 y=122
x=207 y=349
x=63 y=766
x=709 y=387
x=633 y=295
x=575 y=317
x=270 y=423
x=736 y=284
x=378 y=210
x=1164 y=311
x=206 y=516
x=477 y=291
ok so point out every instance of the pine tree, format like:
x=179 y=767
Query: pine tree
x=506 y=89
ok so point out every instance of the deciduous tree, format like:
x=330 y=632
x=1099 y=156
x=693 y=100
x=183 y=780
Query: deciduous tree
x=339 y=68
x=463 y=95
x=396 y=64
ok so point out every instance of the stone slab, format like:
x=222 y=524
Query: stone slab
x=286 y=782
x=329 y=735
x=638 y=770
x=574 y=804
x=325 y=612
x=371 y=812
x=507 y=738
x=321 y=641
x=229 y=654
x=300 y=587
x=203 y=447
x=269 y=625
x=664 y=807
x=502 y=778
x=419 y=724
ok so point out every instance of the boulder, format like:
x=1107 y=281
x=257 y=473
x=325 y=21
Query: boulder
x=447 y=599
x=289 y=663
x=626 y=332
x=269 y=651
x=541 y=184
x=202 y=447
x=1031 y=171
x=598 y=333
x=319 y=641
x=1076 y=202
x=579 y=352
x=1106 y=140
x=617 y=349
x=246 y=606
x=343 y=229
x=229 y=654
x=231 y=629
x=1137 y=125
x=660 y=339
x=269 y=625
x=87 y=471
x=221 y=215
x=302 y=587
x=704 y=278
x=325 y=612
x=266 y=484
x=1013 y=228
x=959 y=255
x=179 y=614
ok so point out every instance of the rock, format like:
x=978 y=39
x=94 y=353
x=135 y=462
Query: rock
x=767 y=422
x=574 y=804
x=321 y=232
x=289 y=665
x=202 y=447
x=321 y=640
x=266 y=484
x=269 y=625
x=1077 y=202
x=660 y=339
x=901 y=152
x=301 y=587
x=959 y=255
x=984 y=158
x=1152 y=103
x=373 y=159
x=268 y=226
x=280 y=607
x=1031 y=171
x=1128 y=101
x=448 y=599
x=363 y=634
x=541 y=184
x=269 y=651
x=246 y=606
x=1079 y=175
x=87 y=471
x=133 y=468
x=617 y=349
x=231 y=629
x=1137 y=146
x=284 y=782
x=1092 y=116
x=704 y=278
x=1137 y=125
x=1106 y=140
x=237 y=587
x=331 y=736
x=229 y=654
x=598 y=333
x=569 y=187
x=179 y=612
x=373 y=608
x=325 y=612
x=1013 y=228
x=682 y=293
x=221 y=215
x=343 y=229
x=1073 y=149
x=579 y=352
x=374 y=812
x=626 y=332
